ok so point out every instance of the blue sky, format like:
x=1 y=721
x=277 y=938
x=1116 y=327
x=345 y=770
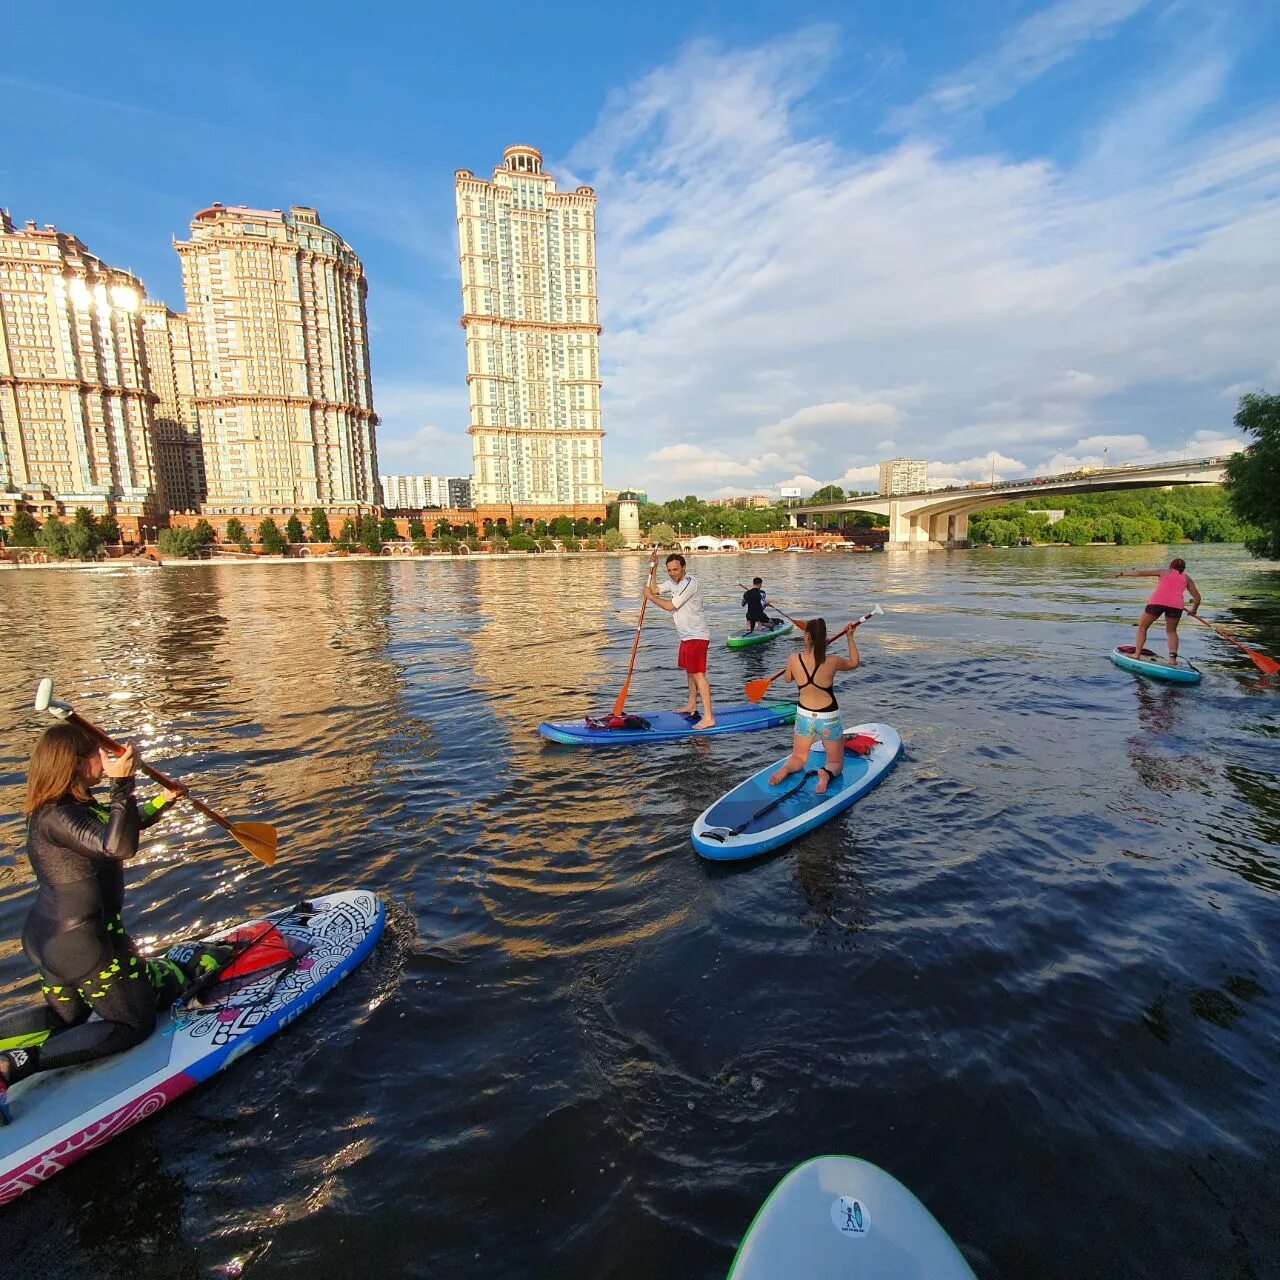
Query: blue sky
x=828 y=233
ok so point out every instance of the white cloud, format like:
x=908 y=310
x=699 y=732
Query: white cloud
x=1035 y=46
x=780 y=304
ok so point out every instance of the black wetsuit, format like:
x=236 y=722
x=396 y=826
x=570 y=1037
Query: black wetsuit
x=75 y=937
x=754 y=600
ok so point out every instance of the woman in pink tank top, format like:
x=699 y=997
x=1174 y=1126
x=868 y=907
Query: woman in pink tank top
x=1165 y=599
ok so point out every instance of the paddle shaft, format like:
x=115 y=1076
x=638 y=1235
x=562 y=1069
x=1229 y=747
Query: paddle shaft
x=1265 y=664
x=107 y=742
x=621 y=699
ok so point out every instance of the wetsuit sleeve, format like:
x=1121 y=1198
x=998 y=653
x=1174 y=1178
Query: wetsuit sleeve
x=152 y=811
x=78 y=828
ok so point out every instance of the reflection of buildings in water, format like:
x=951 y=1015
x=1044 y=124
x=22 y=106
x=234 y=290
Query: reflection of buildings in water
x=273 y=661
x=546 y=623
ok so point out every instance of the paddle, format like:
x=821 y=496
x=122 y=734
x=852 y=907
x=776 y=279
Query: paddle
x=259 y=838
x=756 y=689
x=1268 y=666
x=621 y=699
x=722 y=833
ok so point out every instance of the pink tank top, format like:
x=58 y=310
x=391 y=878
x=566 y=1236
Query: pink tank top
x=1170 y=589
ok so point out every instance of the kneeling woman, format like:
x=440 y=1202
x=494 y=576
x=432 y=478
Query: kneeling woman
x=74 y=935
x=818 y=715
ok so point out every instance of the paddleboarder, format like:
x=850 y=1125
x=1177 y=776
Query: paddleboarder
x=818 y=716
x=685 y=607
x=74 y=934
x=1166 y=599
x=754 y=600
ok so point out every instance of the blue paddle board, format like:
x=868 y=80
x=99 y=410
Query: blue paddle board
x=1155 y=667
x=664 y=726
x=837 y=1218
x=60 y=1116
x=728 y=830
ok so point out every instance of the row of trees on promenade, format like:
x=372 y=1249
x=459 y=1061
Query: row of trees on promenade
x=80 y=538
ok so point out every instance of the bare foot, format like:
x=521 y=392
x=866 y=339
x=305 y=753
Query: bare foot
x=777 y=777
x=825 y=779
x=704 y=723
x=686 y=711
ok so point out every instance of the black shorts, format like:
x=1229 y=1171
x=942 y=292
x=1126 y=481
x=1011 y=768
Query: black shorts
x=1155 y=610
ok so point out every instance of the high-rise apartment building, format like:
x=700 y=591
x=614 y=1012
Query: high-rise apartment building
x=528 y=257
x=75 y=406
x=280 y=359
x=179 y=460
x=903 y=475
x=413 y=493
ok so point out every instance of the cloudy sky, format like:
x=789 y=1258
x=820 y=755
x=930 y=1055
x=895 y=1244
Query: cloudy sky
x=1005 y=233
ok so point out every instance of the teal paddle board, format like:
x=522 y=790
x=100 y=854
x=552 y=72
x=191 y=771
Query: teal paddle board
x=841 y=1218
x=665 y=726
x=761 y=635
x=1149 y=664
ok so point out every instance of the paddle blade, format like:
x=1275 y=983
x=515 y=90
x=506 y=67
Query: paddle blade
x=259 y=838
x=756 y=689
x=1268 y=666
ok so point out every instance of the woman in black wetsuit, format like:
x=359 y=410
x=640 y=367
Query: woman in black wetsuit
x=74 y=934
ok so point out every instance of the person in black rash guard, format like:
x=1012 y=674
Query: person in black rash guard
x=753 y=599
x=74 y=934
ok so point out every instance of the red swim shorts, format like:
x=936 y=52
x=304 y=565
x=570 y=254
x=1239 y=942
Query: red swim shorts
x=693 y=656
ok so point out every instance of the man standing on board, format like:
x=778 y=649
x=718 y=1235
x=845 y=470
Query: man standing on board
x=685 y=607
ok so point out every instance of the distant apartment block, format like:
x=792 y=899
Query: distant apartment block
x=753 y=501
x=75 y=404
x=280 y=359
x=903 y=475
x=179 y=460
x=529 y=311
x=414 y=493
x=640 y=495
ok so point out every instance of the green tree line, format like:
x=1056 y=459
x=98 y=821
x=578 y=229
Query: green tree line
x=1200 y=513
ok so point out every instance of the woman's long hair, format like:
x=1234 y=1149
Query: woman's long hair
x=55 y=766
x=816 y=630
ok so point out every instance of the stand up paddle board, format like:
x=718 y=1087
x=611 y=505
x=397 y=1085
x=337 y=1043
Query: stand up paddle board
x=741 y=639
x=1148 y=664
x=755 y=817
x=664 y=726
x=59 y=1116
x=838 y=1217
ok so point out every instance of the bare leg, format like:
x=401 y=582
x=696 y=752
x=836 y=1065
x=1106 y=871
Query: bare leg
x=835 y=763
x=1144 y=625
x=691 y=703
x=796 y=761
x=1171 y=636
x=699 y=682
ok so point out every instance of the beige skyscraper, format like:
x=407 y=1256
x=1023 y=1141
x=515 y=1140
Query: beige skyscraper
x=75 y=407
x=528 y=256
x=179 y=461
x=280 y=360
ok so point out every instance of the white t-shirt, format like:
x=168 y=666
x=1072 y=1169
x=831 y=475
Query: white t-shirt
x=691 y=622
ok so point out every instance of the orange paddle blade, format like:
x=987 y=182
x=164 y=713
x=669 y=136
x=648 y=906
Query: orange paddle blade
x=756 y=689
x=1268 y=666
x=259 y=838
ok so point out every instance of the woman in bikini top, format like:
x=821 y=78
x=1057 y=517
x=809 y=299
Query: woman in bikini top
x=817 y=723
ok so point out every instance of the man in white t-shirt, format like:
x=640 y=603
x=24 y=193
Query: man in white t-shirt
x=685 y=608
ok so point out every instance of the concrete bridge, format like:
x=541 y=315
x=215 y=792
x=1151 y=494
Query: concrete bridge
x=940 y=517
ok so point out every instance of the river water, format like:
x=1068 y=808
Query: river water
x=1035 y=975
